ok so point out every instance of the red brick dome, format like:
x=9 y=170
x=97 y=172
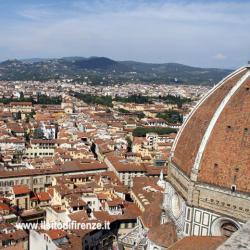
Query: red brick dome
x=214 y=142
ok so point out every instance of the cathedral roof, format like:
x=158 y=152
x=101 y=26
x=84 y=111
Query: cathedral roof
x=214 y=141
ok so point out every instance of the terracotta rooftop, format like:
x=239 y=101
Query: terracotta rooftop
x=21 y=104
x=123 y=165
x=163 y=235
x=20 y=189
x=16 y=235
x=198 y=243
x=55 y=234
x=43 y=196
x=4 y=206
x=79 y=216
x=68 y=167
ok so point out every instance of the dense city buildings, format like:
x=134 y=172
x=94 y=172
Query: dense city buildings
x=128 y=166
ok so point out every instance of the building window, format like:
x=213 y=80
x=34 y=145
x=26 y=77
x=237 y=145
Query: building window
x=188 y=214
x=228 y=228
x=187 y=229
x=233 y=188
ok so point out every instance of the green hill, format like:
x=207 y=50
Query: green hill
x=102 y=70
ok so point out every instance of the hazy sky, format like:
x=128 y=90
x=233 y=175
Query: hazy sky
x=204 y=33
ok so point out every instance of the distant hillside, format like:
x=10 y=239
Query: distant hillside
x=102 y=70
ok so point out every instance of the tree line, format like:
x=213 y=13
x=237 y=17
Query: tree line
x=135 y=98
x=41 y=99
x=141 y=131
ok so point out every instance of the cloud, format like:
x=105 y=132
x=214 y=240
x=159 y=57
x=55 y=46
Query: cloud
x=220 y=56
x=154 y=31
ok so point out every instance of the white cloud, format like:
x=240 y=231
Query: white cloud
x=220 y=56
x=158 y=32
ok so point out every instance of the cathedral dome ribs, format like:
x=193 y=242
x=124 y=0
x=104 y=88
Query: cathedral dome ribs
x=215 y=139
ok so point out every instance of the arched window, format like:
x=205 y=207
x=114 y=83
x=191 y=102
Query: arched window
x=224 y=227
x=228 y=228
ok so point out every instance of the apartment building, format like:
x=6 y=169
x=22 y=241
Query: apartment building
x=20 y=195
x=38 y=179
x=124 y=169
x=42 y=148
